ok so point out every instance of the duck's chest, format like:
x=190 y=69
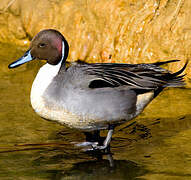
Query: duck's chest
x=49 y=106
x=39 y=100
x=41 y=83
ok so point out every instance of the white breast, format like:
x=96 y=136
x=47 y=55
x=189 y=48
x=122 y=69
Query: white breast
x=40 y=84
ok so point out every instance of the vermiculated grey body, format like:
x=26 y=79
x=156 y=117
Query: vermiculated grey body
x=71 y=99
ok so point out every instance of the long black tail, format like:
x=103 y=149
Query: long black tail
x=174 y=79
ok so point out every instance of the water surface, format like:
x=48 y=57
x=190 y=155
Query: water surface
x=156 y=146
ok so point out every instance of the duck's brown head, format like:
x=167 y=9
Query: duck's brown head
x=47 y=45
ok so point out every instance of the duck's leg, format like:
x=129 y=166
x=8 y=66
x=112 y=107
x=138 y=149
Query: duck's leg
x=106 y=142
x=96 y=142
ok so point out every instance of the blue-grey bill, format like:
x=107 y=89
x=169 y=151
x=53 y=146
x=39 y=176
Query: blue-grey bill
x=25 y=58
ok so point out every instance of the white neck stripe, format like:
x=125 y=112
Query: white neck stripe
x=63 y=51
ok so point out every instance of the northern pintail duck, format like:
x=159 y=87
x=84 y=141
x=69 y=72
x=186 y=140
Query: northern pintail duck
x=91 y=97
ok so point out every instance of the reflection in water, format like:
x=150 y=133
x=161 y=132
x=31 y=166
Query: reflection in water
x=62 y=162
x=101 y=169
x=32 y=148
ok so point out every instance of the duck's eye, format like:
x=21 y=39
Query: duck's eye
x=42 y=45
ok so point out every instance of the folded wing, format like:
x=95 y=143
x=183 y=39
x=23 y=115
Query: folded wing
x=135 y=76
